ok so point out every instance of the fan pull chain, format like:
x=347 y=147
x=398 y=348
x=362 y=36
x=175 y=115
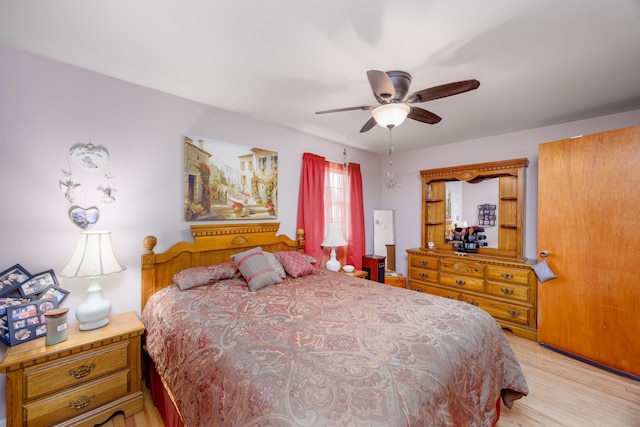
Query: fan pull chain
x=390 y=149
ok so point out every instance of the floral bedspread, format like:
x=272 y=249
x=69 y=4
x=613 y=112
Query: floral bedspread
x=328 y=350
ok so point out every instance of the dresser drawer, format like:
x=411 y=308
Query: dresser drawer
x=462 y=266
x=423 y=275
x=446 y=293
x=68 y=372
x=509 y=290
x=462 y=283
x=424 y=262
x=77 y=400
x=507 y=274
x=502 y=311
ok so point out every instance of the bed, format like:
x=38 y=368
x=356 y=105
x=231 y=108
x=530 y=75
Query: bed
x=319 y=349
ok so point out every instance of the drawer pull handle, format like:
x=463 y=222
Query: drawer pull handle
x=506 y=291
x=418 y=290
x=423 y=275
x=473 y=303
x=514 y=313
x=460 y=282
x=82 y=402
x=423 y=262
x=507 y=276
x=82 y=371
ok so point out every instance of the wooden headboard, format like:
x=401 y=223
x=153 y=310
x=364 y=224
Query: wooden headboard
x=213 y=244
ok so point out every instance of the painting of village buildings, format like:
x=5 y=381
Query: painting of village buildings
x=226 y=181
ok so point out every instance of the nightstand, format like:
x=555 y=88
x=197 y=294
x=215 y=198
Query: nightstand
x=355 y=273
x=79 y=382
x=397 y=280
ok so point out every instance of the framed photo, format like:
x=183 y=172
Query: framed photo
x=9 y=302
x=26 y=322
x=38 y=283
x=225 y=181
x=12 y=278
x=54 y=292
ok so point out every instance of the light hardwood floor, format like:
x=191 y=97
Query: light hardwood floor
x=563 y=392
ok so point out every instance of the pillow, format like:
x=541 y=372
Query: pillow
x=309 y=258
x=256 y=269
x=275 y=264
x=295 y=263
x=198 y=276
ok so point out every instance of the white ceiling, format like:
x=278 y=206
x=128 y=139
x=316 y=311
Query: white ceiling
x=539 y=62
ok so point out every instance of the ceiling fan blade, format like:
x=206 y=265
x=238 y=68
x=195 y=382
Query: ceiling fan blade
x=369 y=125
x=382 y=86
x=337 y=110
x=423 y=116
x=443 y=91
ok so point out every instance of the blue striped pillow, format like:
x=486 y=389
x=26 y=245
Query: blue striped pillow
x=256 y=269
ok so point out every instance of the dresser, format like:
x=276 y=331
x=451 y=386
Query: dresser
x=79 y=382
x=504 y=287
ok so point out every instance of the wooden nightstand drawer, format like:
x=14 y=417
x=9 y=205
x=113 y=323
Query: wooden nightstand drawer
x=398 y=281
x=46 y=378
x=462 y=283
x=77 y=400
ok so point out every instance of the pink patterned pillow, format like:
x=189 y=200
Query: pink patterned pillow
x=295 y=263
x=256 y=269
x=198 y=276
x=275 y=264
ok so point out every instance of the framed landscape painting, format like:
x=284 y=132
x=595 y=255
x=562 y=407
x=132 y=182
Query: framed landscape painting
x=224 y=181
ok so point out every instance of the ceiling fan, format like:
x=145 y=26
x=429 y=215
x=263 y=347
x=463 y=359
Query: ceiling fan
x=390 y=89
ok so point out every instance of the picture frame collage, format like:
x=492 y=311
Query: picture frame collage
x=24 y=298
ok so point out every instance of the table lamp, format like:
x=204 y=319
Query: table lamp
x=332 y=239
x=93 y=257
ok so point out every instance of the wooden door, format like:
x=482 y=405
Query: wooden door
x=588 y=214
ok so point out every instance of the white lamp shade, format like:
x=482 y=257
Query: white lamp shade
x=93 y=256
x=390 y=115
x=334 y=236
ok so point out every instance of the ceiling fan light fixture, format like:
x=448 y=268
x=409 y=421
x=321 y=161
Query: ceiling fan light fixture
x=390 y=115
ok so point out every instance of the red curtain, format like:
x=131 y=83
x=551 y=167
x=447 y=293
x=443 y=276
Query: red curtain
x=356 y=237
x=311 y=211
x=311 y=203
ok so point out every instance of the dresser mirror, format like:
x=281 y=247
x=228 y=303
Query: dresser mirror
x=470 y=204
x=489 y=195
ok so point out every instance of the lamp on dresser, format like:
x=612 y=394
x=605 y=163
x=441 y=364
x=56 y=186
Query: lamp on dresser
x=94 y=257
x=332 y=239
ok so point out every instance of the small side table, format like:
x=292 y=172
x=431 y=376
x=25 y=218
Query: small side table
x=82 y=381
x=397 y=280
x=356 y=273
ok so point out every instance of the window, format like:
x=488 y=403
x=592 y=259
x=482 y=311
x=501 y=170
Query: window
x=336 y=198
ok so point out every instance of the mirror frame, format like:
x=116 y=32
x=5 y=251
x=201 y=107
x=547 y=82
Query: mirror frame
x=510 y=222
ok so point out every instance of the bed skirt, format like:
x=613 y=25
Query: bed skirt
x=162 y=400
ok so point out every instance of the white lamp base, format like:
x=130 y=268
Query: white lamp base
x=92 y=313
x=333 y=264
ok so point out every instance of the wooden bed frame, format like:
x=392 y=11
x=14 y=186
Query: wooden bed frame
x=212 y=244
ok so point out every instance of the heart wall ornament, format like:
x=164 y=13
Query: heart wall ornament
x=84 y=218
